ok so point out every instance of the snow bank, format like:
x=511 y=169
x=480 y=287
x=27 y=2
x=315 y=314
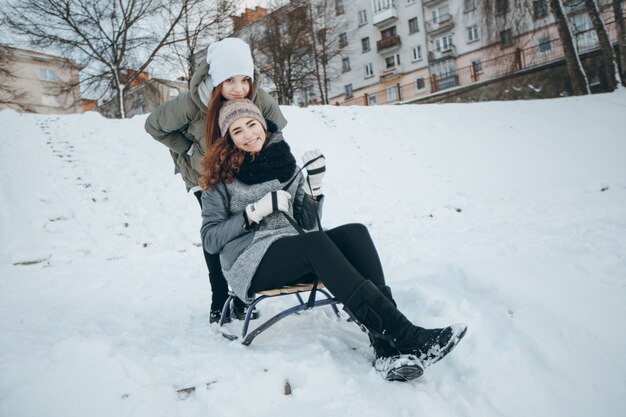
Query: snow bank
x=508 y=216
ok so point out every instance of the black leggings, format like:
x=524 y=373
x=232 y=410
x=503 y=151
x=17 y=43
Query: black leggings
x=219 y=287
x=342 y=258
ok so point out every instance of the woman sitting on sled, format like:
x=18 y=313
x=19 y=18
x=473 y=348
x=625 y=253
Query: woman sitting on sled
x=242 y=210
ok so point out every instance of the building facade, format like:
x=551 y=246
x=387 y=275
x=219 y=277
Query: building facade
x=144 y=95
x=402 y=50
x=45 y=83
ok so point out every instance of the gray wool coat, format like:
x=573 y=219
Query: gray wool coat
x=224 y=225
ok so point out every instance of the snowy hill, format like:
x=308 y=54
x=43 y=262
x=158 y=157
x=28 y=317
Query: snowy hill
x=508 y=216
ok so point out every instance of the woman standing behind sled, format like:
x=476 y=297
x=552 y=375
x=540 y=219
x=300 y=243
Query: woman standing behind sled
x=246 y=171
x=182 y=124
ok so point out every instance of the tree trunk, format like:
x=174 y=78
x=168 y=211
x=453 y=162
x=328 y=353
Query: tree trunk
x=120 y=101
x=621 y=37
x=608 y=56
x=191 y=67
x=580 y=85
x=326 y=99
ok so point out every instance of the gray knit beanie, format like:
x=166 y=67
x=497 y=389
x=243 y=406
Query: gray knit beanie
x=236 y=109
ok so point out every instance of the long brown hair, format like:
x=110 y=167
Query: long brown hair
x=222 y=159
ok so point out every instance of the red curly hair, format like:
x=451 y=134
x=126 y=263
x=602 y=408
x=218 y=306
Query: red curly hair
x=222 y=158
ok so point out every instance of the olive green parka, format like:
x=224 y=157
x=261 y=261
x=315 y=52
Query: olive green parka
x=179 y=124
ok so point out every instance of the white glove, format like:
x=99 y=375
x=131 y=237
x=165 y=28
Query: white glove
x=268 y=204
x=316 y=171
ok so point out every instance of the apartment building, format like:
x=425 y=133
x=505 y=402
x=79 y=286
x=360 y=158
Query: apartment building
x=47 y=83
x=144 y=95
x=399 y=50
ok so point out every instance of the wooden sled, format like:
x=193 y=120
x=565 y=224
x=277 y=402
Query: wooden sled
x=313 y=289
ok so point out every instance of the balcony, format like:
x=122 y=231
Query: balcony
x=390 y=42
x=384 y=16
x=571 y=6
x=449 y=52
x=391 y=72
x=428 y=3
x=439 y=25
x=444 y=81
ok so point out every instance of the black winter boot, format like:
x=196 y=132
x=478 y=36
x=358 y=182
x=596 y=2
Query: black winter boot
x=439 y=341
x=429 y=345
x=216 y=314
x=390 y=363
x=380 y=316
x=241 y=309
x=386 y=290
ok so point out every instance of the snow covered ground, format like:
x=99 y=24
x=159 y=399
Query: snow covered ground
x=508 y=216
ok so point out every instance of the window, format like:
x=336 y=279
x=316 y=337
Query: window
x=387 y=33
x=381 y=5
x=369 y=70
x=417 y=53
x=343 y=39
x=348 y=91
x=502 y=6
x=362 y=17
x=365 y=44
x=469 y=5
x=540 y=8
x=586 y=37
x=472 y=33
x=506 y=38
x=581 y=23
x=47 y=74
x=339 y=7
x=544 y=44
x=413 y=27
x=440 y=14
x=478 y=66
x=446 y=76
x=420 y=84
x=50 y=100
x=309 y=94
x=392 y=93
x=390 y=62
x=411 y=1
x=371 y=99
x=443 y=69
x=345 y=64
x=444 y=43
x=321 y=36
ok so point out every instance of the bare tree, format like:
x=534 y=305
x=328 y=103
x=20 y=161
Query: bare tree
x=283 y=52
x=611 y=73
x=578 y=78
x=500 y=15
x=322 y=27
x=9 y=95
x=618 y=12
x=114 y=40
x=201 y=24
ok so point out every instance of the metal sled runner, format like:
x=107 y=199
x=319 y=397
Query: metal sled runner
x=247 y=338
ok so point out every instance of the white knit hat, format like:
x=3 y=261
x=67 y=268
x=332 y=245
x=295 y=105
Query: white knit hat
x=228 y=58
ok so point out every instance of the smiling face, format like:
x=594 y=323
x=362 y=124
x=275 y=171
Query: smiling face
x=247 y=134
x=236 y=88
